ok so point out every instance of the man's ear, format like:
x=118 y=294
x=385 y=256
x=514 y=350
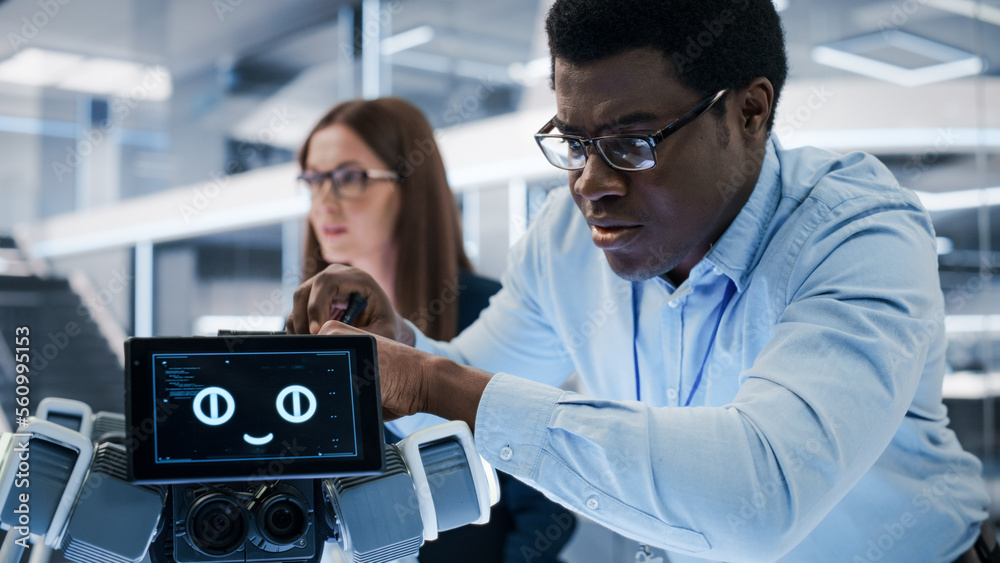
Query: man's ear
x=755 y=104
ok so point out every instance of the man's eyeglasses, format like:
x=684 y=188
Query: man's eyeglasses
x=346 y=182
x=621 y=152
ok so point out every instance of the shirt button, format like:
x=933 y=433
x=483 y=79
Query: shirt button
x=672 y=394
x=506 y=453
x=673 y=304
x=717 y=271
x=592 y=503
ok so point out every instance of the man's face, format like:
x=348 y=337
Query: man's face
x=665 y=219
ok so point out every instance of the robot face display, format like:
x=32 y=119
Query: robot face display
x=300 y=408
x=297 y=403
x=237 y=408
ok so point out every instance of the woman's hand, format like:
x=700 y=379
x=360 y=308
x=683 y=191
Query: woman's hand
x=324 y=297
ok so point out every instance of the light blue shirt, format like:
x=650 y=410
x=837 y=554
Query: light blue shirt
x=817 y=431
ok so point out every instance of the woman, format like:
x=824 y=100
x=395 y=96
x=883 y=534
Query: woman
x=381 y=203
x=383 y=159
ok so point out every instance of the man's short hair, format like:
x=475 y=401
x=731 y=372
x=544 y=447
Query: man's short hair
x=714 y=44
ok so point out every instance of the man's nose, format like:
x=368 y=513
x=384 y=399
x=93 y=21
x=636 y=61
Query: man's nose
x=598 y=179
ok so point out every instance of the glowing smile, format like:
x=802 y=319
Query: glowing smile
x=253 y=440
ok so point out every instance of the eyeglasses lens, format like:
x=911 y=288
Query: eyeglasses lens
x=627 y=153
x=568 y=154
x=349 y=182
x=622 y=152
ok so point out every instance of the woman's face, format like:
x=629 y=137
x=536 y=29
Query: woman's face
x=351 y=228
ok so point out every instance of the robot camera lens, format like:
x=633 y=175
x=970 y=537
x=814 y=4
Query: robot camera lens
x=216 y=526
x=284 y=521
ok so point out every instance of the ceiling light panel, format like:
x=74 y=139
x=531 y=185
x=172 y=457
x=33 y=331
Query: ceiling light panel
x=36 y=67
x=93 y=75
x=899 y=57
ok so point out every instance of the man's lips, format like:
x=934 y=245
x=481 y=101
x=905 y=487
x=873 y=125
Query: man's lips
x=612 y=233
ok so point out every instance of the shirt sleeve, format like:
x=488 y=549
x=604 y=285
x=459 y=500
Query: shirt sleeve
x=813 y=413
x=514 y=334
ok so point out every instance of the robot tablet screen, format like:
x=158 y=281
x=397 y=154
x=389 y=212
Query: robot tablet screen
x=252 y=407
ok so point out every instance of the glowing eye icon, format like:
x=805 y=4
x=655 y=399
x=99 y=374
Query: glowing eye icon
x=297 y=392
x=213 y=394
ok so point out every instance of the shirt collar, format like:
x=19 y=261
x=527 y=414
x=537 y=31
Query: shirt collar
x=736 y=250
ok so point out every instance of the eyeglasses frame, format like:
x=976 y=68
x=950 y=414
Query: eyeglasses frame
x=652 y=140
x=369 y=174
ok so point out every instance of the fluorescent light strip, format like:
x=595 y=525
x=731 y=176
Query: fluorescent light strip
x=969 y=9
x=961 y=199
x=33 y=126
x=849 y=54
x=498 y=173
x=210 y=325
x=407 y=39
x=35 y=67
x=175 y=228
x=970 y=385
x=95 y=75
x=971 y=323
x=922 y=138
x=889 y=72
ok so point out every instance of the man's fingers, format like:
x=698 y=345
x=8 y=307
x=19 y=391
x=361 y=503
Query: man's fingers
x=338 y=328
x=321 y=305
x=298 y=320
x=325 y=296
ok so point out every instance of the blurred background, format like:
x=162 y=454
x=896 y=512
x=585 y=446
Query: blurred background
x=147 y=184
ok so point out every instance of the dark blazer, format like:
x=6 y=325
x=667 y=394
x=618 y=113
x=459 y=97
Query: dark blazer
x=474 y=294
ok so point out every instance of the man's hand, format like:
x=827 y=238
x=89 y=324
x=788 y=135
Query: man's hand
x=324 y=296
x=412 y=381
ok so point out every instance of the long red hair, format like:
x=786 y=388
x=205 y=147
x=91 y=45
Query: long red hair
x=427 y=235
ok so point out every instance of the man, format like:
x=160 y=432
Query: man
x=789 y=298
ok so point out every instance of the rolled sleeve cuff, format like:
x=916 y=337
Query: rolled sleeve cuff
x=512 y=423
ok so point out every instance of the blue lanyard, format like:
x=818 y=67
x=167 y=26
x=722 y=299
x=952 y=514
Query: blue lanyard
x=730 y=291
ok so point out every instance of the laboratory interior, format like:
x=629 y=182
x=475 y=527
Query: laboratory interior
x=149 y=187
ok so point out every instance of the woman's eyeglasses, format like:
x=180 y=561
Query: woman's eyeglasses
x=621 y=152
x=347 y=182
